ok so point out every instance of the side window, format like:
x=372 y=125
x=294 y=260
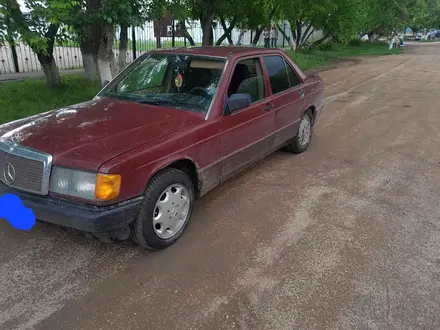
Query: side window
x=276 y=69
x=248 y=79
x=293 y=77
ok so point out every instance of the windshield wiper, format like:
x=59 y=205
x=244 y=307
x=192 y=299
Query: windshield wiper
x=166 y=102
x=155 y=101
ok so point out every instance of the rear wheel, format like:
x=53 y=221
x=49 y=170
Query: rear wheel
x=301 y=141
x=165 y=211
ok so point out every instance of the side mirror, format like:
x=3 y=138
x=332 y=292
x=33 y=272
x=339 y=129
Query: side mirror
x=237 y=102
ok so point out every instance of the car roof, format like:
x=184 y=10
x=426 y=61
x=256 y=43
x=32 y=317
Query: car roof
x=217 y=51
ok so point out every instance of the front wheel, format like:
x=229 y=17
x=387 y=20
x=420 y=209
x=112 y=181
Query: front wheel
x=165 y=211
x=301 y=141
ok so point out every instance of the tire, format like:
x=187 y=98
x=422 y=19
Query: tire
x=160 y=208
x=300 y=143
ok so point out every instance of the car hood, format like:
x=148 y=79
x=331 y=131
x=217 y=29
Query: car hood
x=88 y=134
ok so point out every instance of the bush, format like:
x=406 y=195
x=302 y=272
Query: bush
x=354 y=42
x=325 y=47
x=305 y=47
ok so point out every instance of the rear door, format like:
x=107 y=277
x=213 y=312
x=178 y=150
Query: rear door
x=288 y=93
x=246 y=134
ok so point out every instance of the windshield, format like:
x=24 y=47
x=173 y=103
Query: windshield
x=181 y=81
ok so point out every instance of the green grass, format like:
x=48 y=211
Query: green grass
x=309 y=59
x=20 y=99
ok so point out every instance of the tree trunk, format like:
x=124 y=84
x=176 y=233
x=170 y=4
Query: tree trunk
x=46 y=59
x=371 y=34
x=188 y=37
x=293 y=30
x=257 y=35
x=298 y=31
x=308 y=32
x=286 y=37
x=50 y=70
x=240 y=37
x=206 y=20
x=299 y=37
x=106 y=60
x=325 y=36
x=11 y=41
x=227 y=32
x=123 y=47
x=260 y=28
x=89 y=47
x=90 y=64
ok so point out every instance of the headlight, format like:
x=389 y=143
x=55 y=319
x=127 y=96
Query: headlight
x=87 y=185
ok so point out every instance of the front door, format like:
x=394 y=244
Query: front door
x=287 y=98
x=246 y=135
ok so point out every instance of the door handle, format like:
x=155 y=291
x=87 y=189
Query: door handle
x=302 y=93
x=268 y=106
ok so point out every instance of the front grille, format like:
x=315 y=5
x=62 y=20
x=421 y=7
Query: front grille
x=25 y=169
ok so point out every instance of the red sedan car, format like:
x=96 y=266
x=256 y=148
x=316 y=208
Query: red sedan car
x=172 y=126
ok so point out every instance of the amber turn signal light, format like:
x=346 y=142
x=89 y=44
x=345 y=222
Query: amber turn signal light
x=108 y=186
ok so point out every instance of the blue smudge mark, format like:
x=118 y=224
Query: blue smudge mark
x=12 y=210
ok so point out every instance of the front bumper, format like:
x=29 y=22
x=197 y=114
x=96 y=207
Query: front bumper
x=79 y=216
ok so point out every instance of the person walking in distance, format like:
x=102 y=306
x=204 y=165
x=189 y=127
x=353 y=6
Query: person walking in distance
x=266 y=37
x=273 y=36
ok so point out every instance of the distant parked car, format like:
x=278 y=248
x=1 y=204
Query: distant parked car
x=437 y=34
x=426 y=34
x=431 y=34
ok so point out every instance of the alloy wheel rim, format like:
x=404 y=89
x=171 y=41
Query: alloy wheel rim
x=305 y=131
x=171 y=211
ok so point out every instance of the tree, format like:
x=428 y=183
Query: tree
x=425 y=14
x=203 y=10
x=251 y=14
x=3 y=25
x=41 y=31
x=384 y=16
x=9 y=35
x=257 y=16
x=341 y=18
x=94 y=22
x=226 y=12
x=181 y=12
x=227 y=30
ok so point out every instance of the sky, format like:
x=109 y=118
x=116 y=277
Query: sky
x=21 y=3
